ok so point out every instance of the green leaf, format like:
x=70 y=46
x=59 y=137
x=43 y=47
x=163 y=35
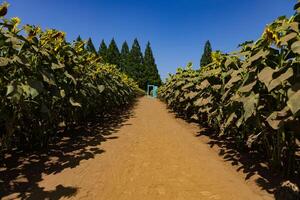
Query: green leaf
x=179 y=83
x=204 y=84
x=294 y=26
x=3 y=62
x=274 y=122
x=294 y=102
x=261 y=54
x=266 y=75
x=204 y=109
x=239 y=121
x=34 y=89
x=293 y=89
x=62 y=93
x=57 y=65
x=27 y=92
x=101 y=88
x=10 y=89
x=233 y=79
x=182 y=99
x=281 y=79
x=247 y=88
x=217 y=87
x=195 y=117
x=277 y=118
x=225 y=95
x=191 y=95
x=187 y=106
x=62 y=124
x=228 y=62
x=212 y=72
x=18 y=60
x=188 y=85
x=252 y=138
x=74 y=103
x=30 y=91
x=249 y=105
x=229 y=120
x=296 y=47
x=203 y=101
x=48 y=78
x=14 y=41
x=284 y=40
x=14 y=92
x=71 y=77
x=177 y=93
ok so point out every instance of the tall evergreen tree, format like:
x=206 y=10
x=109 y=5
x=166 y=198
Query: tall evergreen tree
x=78 y=39
x=136 y=69
x=113 y=54
x=90 y=46
x=151 y=75
x=206 y=57
x=124 y=58
x=102 y=52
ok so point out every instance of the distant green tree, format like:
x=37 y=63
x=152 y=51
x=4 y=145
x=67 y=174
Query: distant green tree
x=136 y=68
x=124 y=58
x=113 y=54
x=206 y=57
x=78 y=39
x=151 y=73
x=90 y=46
x=102 y=52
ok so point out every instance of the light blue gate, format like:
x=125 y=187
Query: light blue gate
x=153 y=91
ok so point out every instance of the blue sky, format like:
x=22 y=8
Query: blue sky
x=177 y=29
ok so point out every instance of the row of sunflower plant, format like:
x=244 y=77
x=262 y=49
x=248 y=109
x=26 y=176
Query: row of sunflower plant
x=251 y=96
x=47 y=84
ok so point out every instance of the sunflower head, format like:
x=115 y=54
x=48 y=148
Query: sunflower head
x=59 y=35
x=15 y=22
x=271 y=36
x=32 y=31
x=217 y=57
x=3 y=9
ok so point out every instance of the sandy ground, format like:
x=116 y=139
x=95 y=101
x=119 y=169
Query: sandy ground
x=154 y=156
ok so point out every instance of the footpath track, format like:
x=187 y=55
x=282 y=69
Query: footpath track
x=152 y=156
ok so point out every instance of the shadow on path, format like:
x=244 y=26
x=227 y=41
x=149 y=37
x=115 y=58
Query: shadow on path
x=250 y=163
x=20 y=172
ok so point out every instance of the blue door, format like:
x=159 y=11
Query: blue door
x=152 y=90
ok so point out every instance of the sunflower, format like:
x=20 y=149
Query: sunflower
x=3 y=9
x=271 y=36
x=15 y=22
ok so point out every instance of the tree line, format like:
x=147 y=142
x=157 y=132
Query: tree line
x=141 y=67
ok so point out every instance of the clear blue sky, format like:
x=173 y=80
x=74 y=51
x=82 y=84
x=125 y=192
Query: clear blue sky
x=177 y=29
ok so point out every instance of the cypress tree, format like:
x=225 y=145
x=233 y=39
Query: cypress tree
x=206 y=57
x=136 y=69
x=124 y=58
x=78 y=39
x=102 y=52
x=113 y=54
x=90 y=46
x=152 y=75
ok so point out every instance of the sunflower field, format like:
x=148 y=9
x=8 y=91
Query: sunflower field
x=47 y=84
x=251 y=96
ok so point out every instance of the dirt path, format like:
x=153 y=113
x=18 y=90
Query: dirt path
x=154 y=156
